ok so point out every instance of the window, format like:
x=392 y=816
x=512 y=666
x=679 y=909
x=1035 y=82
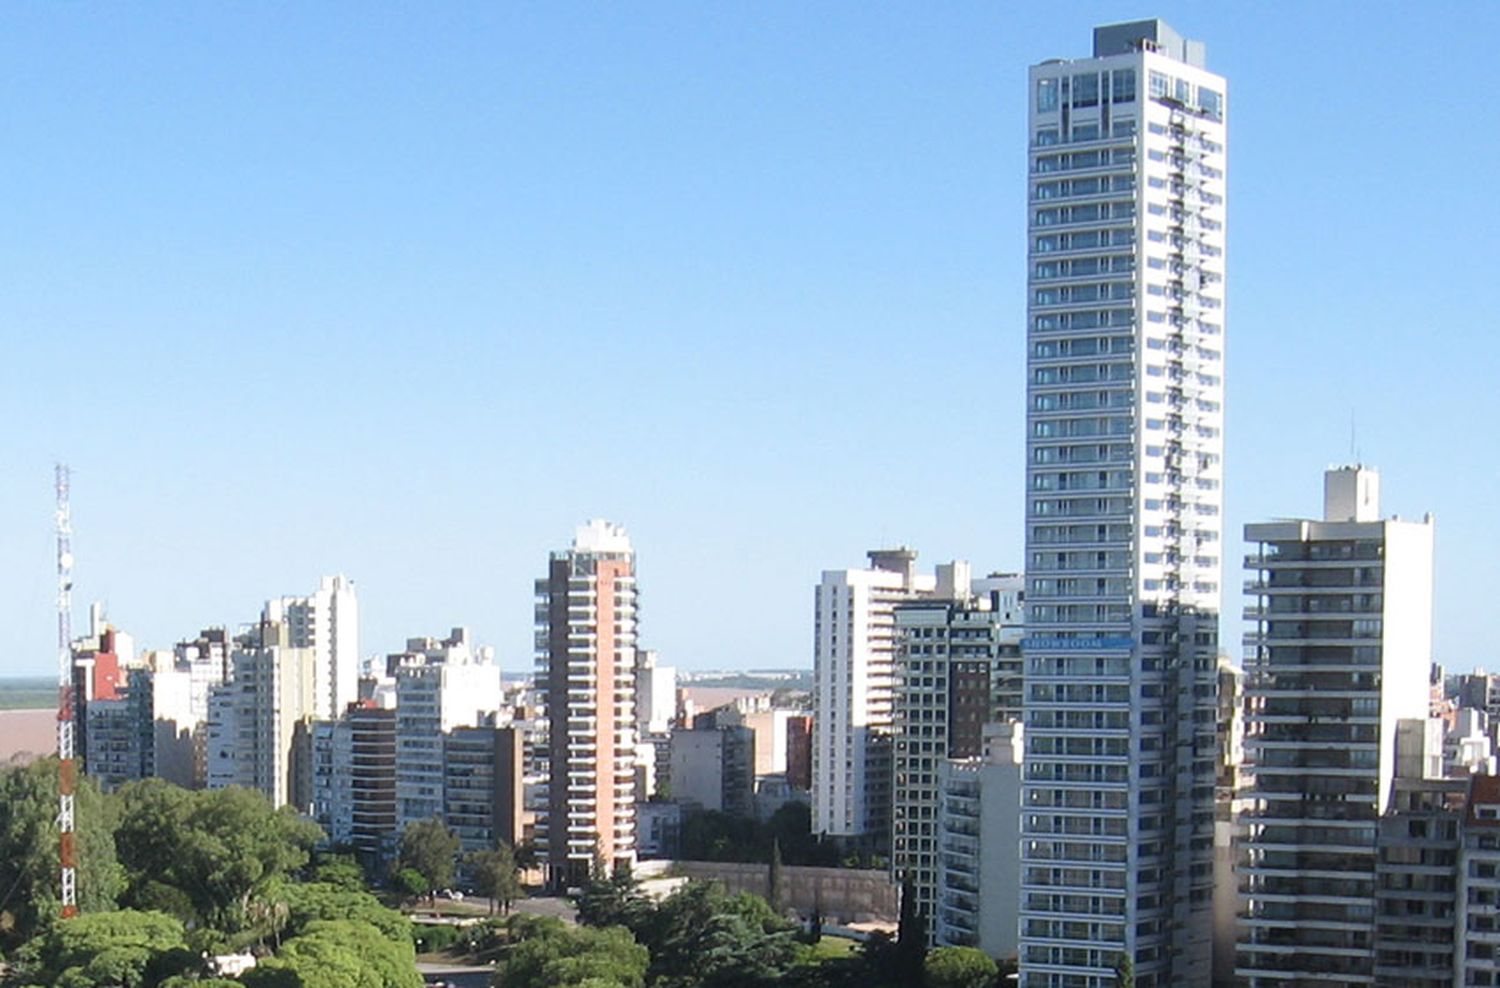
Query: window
x=1210 y=102
x=1183 y=91
x=1159 y=88
x=1122 y=86
x=1086 y=89
x=1086 y=132
x=1046 y=95
x=1046 y=137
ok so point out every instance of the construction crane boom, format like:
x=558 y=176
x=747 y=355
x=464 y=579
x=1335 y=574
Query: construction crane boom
x=67 y=768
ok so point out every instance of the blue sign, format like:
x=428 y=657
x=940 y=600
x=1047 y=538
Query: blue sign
x=1077 y=644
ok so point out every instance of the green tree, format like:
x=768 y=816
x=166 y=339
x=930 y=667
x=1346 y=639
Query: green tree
x=775 y=895
x=558 y=957
x=1124 y=971
x=219 y=847
x=29 y=891
x=341 y=870
x=526 y=855
x=616 y=901
x=410 y=882
x=911 y=936
x=310 y=902
x=119 y=949
x=338 y=954
x=704 y=935
x=959 y=967
x=430 y=849
x=495 y=874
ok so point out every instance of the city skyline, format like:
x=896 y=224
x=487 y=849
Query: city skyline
x=333 y=349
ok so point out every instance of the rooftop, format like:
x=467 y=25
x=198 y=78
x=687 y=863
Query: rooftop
x=1152 y=35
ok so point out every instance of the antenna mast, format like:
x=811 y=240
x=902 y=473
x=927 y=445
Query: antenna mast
x=67 y=769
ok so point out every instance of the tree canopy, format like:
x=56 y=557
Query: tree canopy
x=713 y=836
x=116 y=949
x=29 y=849
x=554 y=956
x=216 y=848
x=431 y=850
x=700 y=935
x=310 y=902
x=495 y=874
x=338 y=954
x=959 y=967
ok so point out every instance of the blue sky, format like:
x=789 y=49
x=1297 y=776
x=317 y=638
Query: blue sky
x=407 y=291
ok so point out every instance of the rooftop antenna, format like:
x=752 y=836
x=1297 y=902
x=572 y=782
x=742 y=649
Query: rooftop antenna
x=67 y=769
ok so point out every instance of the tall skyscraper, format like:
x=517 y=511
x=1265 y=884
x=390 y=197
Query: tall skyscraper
x=853 y=653
x=586 y=654
x=1338 y=658
x=1125 y=338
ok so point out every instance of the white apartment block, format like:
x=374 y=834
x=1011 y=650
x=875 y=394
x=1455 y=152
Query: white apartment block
x=586 y=641
x=979 y=822
x=440 y=685
x=255 y=716
x=853 y=669
x=326 y=622
x=1125 y=339
x=1337 y=665
x=655 y=694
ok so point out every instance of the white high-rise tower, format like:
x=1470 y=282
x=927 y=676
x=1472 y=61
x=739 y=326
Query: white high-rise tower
x=1125 y=341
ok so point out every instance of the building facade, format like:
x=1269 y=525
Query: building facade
x=1125 y=343
x=326 y=623
x=1337 y=661
x=853 y=668
x=585 y=678
x=713 y=768
x=956 y=672
x=354 y=781
x=256 y=715
x=441 y=685
x=979 y=823
x=482 y=778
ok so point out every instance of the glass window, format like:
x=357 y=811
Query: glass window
x=1124 y=128
x=1046 y=136
x=1122 y=86
x=1211 y=102
x=1159 y=85
x=1184 y=91
x=1046 y=95
x=1086 y=132
x=1086 y=89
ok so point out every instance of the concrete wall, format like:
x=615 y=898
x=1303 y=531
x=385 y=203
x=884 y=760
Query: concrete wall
x=844 y=895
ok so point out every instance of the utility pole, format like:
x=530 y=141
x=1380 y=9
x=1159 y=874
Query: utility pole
x=67 y=768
